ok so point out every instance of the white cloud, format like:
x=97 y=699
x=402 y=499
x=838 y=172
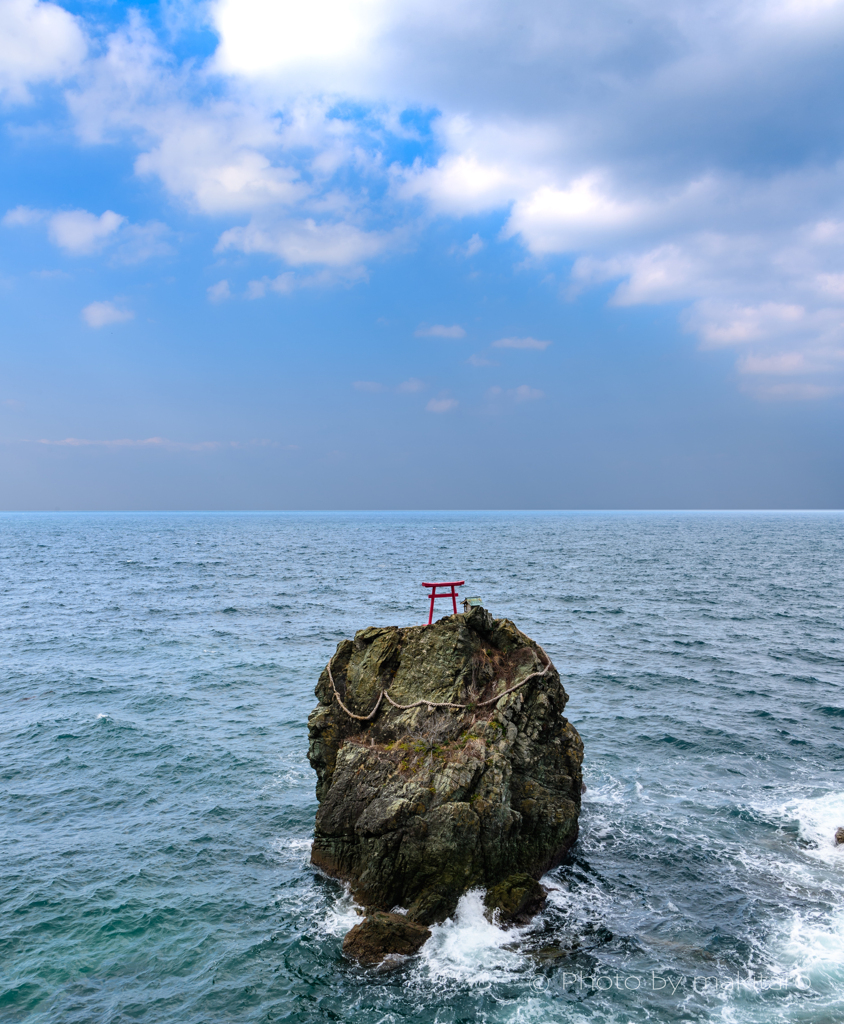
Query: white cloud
x=335 y=245
x=721 y=326
x=624 y=136
x=215 y=153
x=440 y=331
x=288 y=282
x=461 y=184
x=139 y=242
x=204 y=161
x=23 y=216
x=39 y=42
x=473 y=246
x=439 y=405
x=260 y=37
x=766 y=294
x=831 y=284
x=785 y=364
x=101 y=314
x=557 y=220
x=371 y=386
x=661 y=275
x=80 y=232
x=411 y=386
x=476 y=360
x=524 y=343
x=219 y=292
x=283 y=284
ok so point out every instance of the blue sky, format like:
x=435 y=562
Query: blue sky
x=407 y=254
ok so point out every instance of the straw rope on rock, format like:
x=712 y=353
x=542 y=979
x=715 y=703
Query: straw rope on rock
x=428 y=703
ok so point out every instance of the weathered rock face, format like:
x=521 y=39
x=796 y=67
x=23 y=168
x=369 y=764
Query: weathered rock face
x=418 y=805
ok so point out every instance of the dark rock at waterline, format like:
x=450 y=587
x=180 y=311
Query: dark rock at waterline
x=380 y=935
x=515 y=900
x=420 y=804
x=839 y=836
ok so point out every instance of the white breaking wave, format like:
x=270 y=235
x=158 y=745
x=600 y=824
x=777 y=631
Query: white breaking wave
x=816 y=948
x=297 y=849
x=609 y=792
x=471 y=951
x=804 y=952
x=343 y=915
x=818 y=818
x=813 y=948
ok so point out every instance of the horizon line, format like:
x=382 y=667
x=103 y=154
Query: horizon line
x=411 y=511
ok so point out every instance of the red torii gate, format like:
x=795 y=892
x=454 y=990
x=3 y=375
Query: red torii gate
x=451 y=592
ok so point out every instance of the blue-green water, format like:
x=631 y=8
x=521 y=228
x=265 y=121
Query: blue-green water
x=157 y=804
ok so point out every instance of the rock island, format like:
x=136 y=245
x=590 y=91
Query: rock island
x=443 y=763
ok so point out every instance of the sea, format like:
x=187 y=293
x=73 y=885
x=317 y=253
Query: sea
x=157 y=804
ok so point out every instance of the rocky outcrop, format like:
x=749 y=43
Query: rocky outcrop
x=515 y=900
x=381 y=935
x=443 y=763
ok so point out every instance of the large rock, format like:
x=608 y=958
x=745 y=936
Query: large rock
x=419 y=804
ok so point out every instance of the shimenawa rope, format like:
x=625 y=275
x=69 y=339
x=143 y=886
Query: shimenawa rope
x=430 y=704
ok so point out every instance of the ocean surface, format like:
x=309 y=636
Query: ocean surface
x=157 y=804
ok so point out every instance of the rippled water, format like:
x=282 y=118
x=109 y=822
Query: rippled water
x=157 y=804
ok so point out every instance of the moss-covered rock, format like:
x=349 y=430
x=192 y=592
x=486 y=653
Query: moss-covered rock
x=515 y=900
x=419 y=805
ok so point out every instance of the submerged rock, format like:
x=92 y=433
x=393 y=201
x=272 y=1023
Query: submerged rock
x=443 y=763
x=839 y=836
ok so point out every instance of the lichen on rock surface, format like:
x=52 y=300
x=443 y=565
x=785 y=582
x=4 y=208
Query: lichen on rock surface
x=419 y=804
